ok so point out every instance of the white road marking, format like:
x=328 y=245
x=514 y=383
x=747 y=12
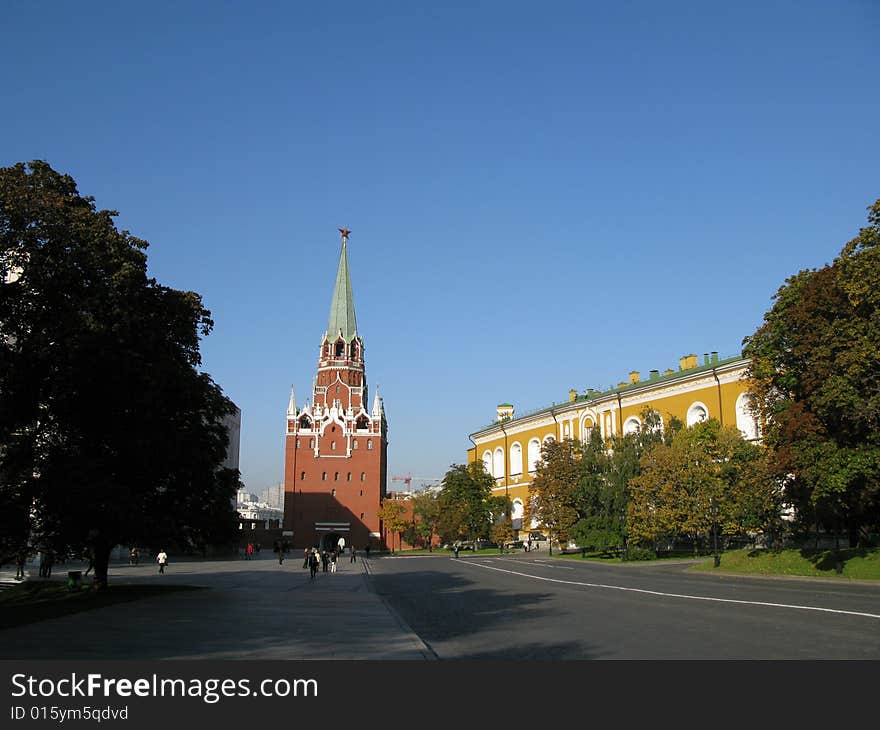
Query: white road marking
x=680 y=595
x=552 y=565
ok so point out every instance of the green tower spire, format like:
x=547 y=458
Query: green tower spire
x=342 y=307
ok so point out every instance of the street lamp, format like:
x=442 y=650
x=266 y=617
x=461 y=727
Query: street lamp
x=714 y=512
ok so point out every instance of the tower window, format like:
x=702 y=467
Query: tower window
x=332 y=492
x=302 y=476
x=311 y=443
x=362 y=493
x=337 y=388
x=297 y=443
x=333 y=445
x=369 y=444
x=340 y=349
x=363 y=476
x=348 y=478
x=323 y=476
x=355 y=443
x=362 y=515
x=336 y=477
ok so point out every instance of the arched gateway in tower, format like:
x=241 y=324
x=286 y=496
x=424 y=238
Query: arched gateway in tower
x=335 y=463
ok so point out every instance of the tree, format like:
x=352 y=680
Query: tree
x=596 y=501
x=815 y=387
x=108 y=432
x=464 y=502
x=502 y=532
x=554 y=492
x=426 y=511
x=706 y=481
x=393 y=515
x=605 y=481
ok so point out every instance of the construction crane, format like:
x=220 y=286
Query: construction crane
x=407 y=480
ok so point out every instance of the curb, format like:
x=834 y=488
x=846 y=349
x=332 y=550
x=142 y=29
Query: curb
x=426 y=651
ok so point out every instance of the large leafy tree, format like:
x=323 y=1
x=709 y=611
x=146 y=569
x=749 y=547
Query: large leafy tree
x=814 y=380
x=465 y=508
x=426 y=512
x=606 y=474
x=554 y=494
x=393 y=513
x=108 y=431
x=706 y=479
x=598 y=501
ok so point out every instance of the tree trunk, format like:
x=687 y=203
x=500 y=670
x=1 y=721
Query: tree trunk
x=101 y=552
x=853 y=533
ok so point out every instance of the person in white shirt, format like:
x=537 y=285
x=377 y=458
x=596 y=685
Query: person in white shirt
x=162 y=559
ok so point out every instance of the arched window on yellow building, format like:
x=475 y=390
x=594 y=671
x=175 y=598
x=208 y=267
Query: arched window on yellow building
x=516 y=459
x=534 y=454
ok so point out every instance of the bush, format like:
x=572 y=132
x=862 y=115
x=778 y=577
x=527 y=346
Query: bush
x=638 y=553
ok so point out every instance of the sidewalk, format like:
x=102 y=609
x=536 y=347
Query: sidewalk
x=252 y=609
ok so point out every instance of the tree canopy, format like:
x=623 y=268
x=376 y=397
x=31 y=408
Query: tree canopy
x=109 y=433
x=705 y=478
x=816 y=391
x=426 y=513
x=393 y=514
x=465 y=506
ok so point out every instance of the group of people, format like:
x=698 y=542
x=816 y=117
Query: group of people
x=327 y=559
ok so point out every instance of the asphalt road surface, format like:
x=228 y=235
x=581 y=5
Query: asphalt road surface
x=536 y=607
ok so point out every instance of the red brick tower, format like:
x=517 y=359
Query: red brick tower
x=335 y=463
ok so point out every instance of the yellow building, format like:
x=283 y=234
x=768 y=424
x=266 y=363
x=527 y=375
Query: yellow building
x=511 y=446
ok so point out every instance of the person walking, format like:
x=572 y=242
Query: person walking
x=367 y=550
x=280 y=554
x=353 y=553
x=333 y=562
x=313 y=564
x=162 y=559
x=306 y=554
x=455 y=551
x=20 y=561
x=249 y=551
x=325 y=559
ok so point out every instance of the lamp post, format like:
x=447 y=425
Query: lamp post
x=714 y=512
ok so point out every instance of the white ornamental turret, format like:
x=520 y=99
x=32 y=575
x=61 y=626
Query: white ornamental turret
x=377 y=405
x=291 y=406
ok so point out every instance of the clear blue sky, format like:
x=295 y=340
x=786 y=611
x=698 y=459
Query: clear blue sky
x=541 y=195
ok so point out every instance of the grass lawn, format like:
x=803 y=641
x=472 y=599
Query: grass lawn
x=461 y=553
x=603 y=557
x=39 y=600
x=860 y=563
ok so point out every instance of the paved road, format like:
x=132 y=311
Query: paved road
x=505 y=607
x=532 y=607
x=252 y=610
